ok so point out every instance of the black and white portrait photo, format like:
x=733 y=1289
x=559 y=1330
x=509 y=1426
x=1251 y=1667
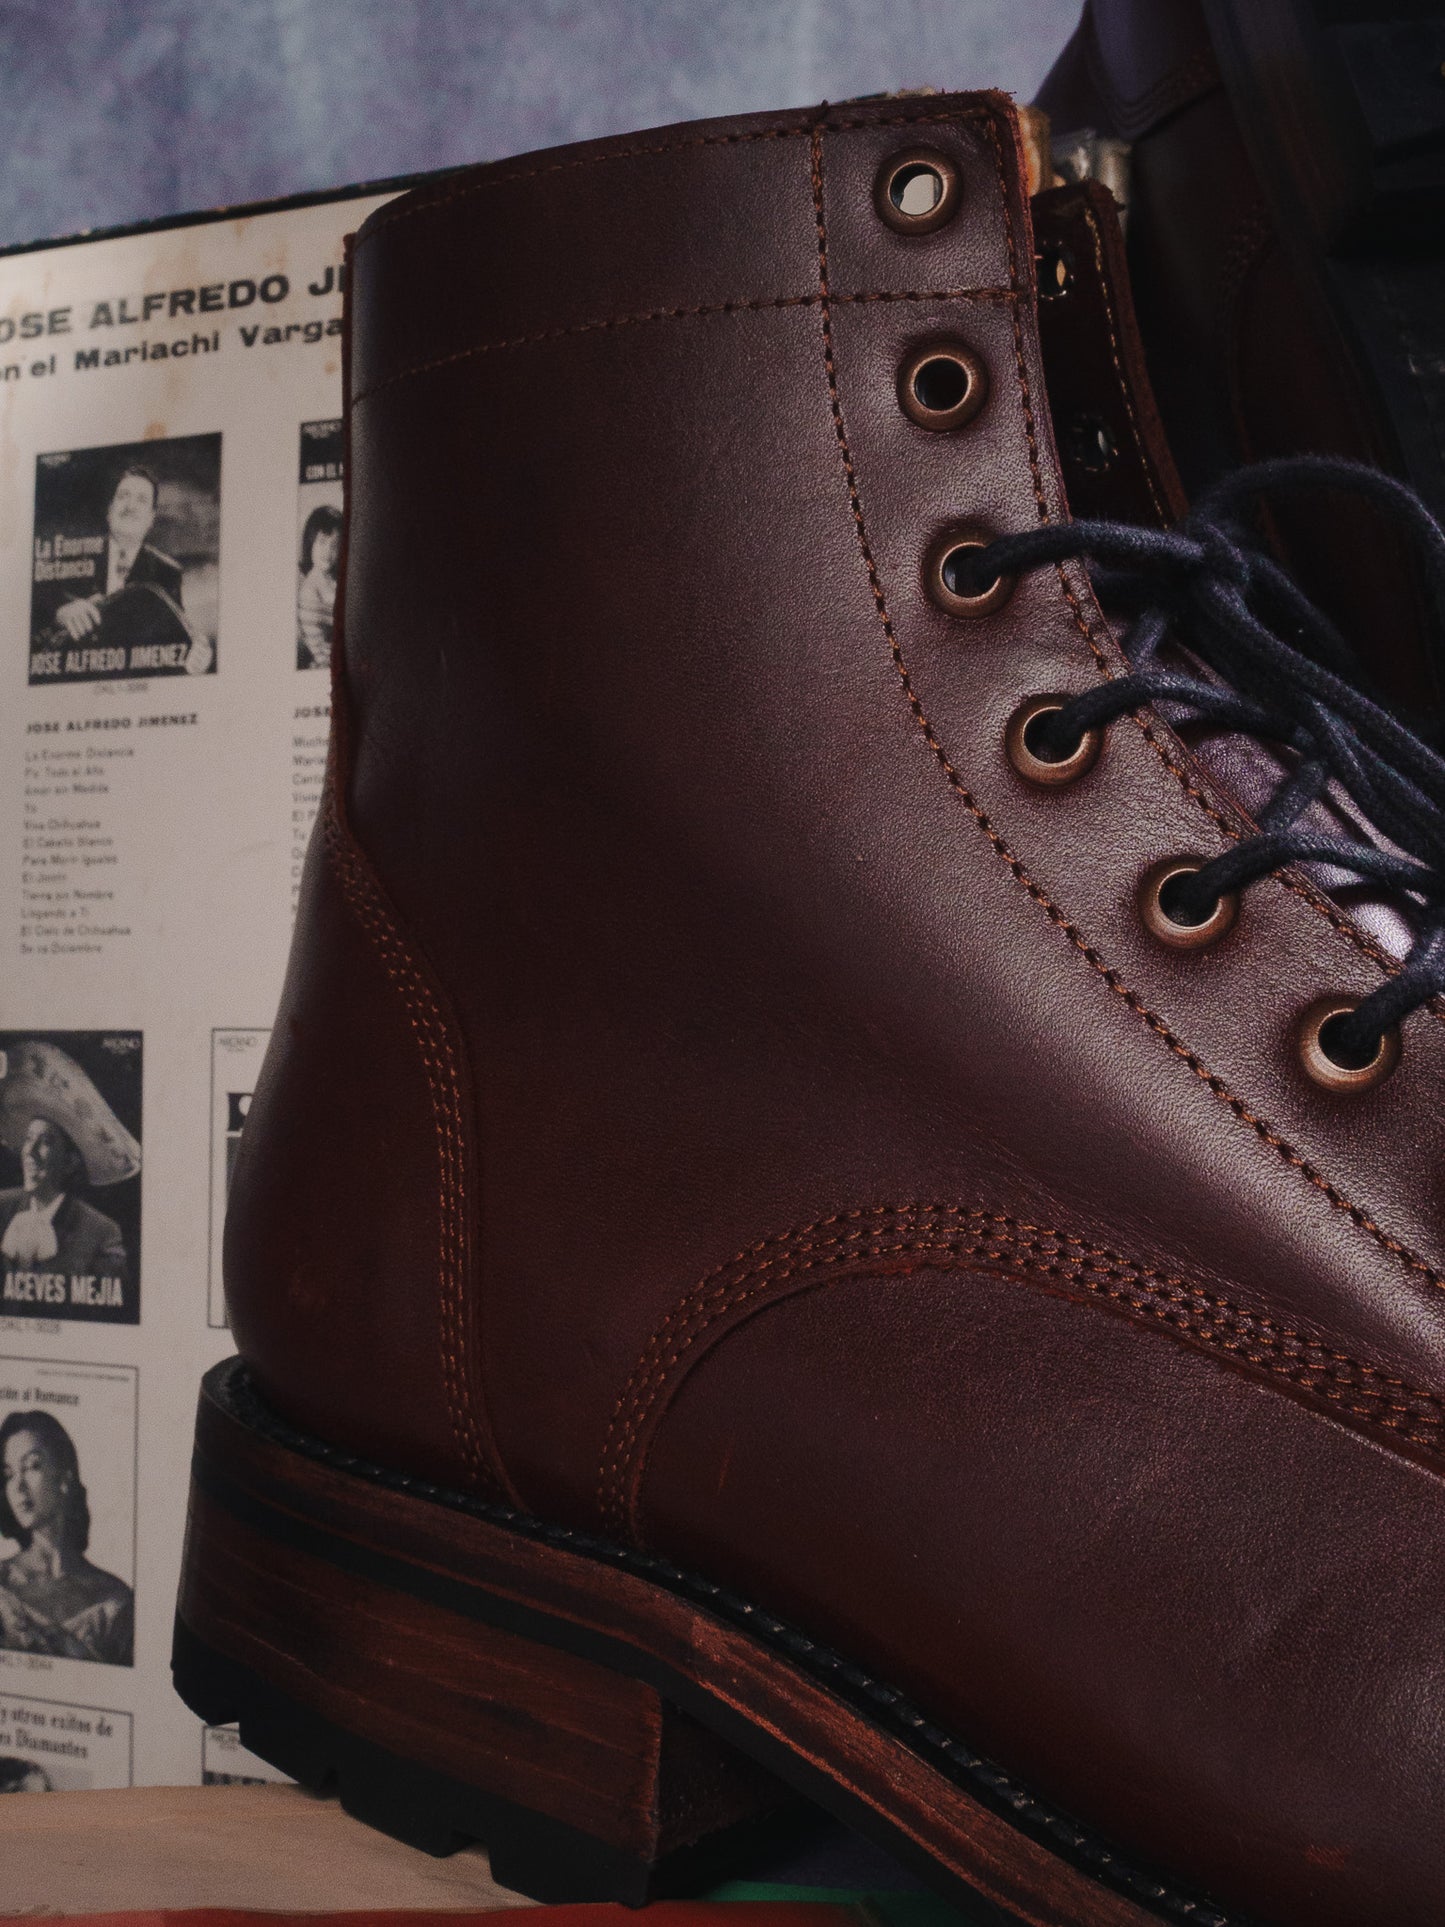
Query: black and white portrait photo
x=319 y=541
x=125 y=570
x=70 y=1160
x=67 y=1511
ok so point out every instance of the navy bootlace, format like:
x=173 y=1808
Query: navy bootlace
x=1209 y=583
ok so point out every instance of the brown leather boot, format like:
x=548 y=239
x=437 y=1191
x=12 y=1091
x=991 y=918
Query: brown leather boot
x=1287 y=241
x=775 y=1248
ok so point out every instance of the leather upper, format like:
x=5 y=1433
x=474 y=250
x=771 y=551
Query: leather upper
x=673 y=846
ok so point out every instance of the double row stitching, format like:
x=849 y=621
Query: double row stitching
x=1210 y=1079
x=444 y=1086
x=928 y=1235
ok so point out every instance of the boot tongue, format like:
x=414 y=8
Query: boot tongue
x=1116 y=466
x=1251 y=772
x=1112 y=449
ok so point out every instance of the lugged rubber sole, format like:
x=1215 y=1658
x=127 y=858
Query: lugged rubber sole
x=609 y=1726
x=532 y=1853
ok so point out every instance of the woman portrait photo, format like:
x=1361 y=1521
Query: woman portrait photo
x=52 y=1599
x=316 y=591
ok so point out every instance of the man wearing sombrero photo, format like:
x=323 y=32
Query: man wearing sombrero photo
x=66 y=1135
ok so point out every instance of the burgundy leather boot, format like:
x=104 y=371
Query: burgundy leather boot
x=1287 y=241
x=781 y=1247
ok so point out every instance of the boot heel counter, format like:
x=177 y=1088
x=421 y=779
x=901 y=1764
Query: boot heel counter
x=347 y=1246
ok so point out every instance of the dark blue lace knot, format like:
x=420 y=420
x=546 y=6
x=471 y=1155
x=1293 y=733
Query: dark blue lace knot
x=1223 y=561
x=1281 y=676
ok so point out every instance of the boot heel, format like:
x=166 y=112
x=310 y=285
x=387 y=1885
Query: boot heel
x=423 y=1700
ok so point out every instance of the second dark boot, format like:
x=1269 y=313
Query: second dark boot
x=1287 y=243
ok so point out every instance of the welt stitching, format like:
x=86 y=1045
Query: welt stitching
x=761 y=304
x=1126 y=394
x=1211 y=1320
x=439 y=1068
x=1212 y=1080
x=501 y=177
x=885 y=1703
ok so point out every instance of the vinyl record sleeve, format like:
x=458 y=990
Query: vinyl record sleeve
x=170 y=496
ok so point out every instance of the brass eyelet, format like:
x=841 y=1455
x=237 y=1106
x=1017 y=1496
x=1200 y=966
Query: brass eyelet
x=1055 y=267
x=1157 y=920
x=917 y=190
x=1088 y=442
x=1311 y=1036
x=1041 y=769
x=937 y=567
x=942 y=385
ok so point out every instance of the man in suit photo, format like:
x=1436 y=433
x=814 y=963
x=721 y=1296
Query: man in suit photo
x=136 y=603
x=130 y=559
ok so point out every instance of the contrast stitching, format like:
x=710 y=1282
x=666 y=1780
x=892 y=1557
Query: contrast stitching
x=931 y=1235
x=501 y=176
x=443 y=1083
x=760 y=305
x=1126 y=393
x=1211 y=1079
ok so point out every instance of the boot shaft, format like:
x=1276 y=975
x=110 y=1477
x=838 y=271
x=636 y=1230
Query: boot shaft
x=730 y=1098
x=678 y=896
